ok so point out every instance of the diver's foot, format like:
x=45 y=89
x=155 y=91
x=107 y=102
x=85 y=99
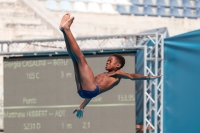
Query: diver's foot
x=68 y=23
x=63 y=20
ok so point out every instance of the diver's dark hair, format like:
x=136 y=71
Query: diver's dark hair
x=120 y=58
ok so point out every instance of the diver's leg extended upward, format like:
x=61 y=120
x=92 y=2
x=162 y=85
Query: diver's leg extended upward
x=76 y=70
x=86 y=75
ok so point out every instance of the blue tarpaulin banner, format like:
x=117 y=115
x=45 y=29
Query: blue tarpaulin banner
x=182 y=83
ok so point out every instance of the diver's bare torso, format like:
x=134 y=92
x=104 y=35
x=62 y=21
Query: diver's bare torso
x=106 y=82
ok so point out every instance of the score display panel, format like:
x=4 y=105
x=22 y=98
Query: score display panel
x=40 y=95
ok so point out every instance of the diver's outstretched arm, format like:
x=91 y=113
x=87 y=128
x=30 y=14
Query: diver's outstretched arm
x=133 y=76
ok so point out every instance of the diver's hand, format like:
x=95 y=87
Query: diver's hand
x=79 y=113
x=154 y=77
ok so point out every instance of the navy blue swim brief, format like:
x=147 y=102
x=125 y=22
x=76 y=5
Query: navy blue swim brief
x=88 y=94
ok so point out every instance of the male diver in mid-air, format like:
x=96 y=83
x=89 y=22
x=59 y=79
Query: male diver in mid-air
x=89 y=86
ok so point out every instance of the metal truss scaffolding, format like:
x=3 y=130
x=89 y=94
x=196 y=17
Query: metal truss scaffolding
x=151 y=44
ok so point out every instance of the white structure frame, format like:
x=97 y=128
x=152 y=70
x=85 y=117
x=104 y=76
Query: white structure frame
x=153 y=63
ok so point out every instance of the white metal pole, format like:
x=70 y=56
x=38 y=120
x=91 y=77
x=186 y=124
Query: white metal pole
x=156 y=85
x=145 y=86
x=162 y=84
x=150 y=93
